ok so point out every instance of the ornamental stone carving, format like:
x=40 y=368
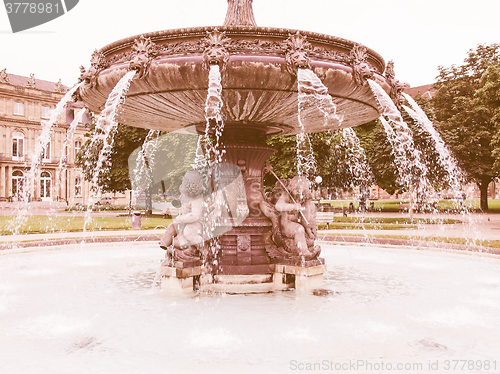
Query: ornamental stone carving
x=183 y=238
x=143 y=53
x=297 y=48
x=216 y=52
x=293 y=216
x=31 y=82
x=396 y=86
x=97 y=63
x=361 y=69
x=59 y=87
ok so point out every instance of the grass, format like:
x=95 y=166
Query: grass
x=393 y=205
x=382 y=223
x=53 y=224
x=447 y=240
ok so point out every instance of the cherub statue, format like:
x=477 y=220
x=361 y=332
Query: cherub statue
x=293 y=215
x=184 y=236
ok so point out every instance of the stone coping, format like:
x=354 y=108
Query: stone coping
x=153 y=236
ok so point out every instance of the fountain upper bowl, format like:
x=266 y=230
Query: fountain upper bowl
x=258 y=87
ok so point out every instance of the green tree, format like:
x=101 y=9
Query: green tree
x=489 y=97
x=463 y=120
x=115 y=174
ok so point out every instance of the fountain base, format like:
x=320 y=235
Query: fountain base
x=177 y=278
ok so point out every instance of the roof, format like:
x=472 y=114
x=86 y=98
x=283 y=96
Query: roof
x=21 y=81
x=427 y=91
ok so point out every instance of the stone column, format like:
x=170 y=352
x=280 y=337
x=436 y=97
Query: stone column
x=8 y=186
x=3 y=184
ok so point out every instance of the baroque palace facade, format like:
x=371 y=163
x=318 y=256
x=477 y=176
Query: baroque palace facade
x=25 y=103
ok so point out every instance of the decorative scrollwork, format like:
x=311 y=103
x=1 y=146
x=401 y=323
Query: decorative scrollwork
x=297 y=48
x=361 y=69
x=216 y=52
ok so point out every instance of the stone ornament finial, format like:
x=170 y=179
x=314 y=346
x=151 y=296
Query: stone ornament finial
x=31 y=82
x=296 y=56
x=361 y=69
x=4 y=78
x=396 y=86
x=216 y=52
x=59 y=87
x=143 y=53
x=239 y=13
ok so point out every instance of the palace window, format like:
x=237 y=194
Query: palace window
x=18 y=108
x=45 y=112
x=45 y=185
x=78 y=186
x=17 y=146
x=46 y=153
x=78 y=146
x=17 y=182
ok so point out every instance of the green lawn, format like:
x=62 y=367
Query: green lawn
x=382 y=223
x=393 y=205
x=463 y=241
x=52 y=224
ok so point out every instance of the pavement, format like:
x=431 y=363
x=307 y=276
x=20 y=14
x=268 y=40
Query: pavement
x=473 y=227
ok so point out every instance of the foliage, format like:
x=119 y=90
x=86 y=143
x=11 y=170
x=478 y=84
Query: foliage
x=464 y=118
x=378 y=150
x=115 y=175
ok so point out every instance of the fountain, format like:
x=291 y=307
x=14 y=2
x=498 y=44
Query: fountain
x=264 y=74
x=381 y=307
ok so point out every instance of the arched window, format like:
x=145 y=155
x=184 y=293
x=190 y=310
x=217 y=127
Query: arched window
x=45 y=185
x=17 y=182
x=78 y=186
x=17 y=146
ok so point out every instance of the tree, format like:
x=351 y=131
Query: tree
x=115 y=174
x=463 y=120
x=489 y=97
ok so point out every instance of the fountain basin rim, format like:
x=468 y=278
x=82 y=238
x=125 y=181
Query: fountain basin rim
x=177 y=35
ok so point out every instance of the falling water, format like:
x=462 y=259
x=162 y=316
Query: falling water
x=215 y=204
x=33 y=164
x=445 y=158
x=144 y=166
x=356 y=158
x=61 y=168
x=105 y=130
x=44 y=139
x=412 y=171
x=455 y=174
x=312 y=94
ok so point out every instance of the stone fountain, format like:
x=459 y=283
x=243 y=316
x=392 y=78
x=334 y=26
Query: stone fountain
x=259 y=68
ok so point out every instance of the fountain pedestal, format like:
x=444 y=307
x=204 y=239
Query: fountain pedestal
x=243 y=264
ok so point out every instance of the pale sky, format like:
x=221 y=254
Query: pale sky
x=417 y=35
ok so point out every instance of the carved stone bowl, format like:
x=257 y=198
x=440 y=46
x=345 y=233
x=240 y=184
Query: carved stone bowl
x=259 y=81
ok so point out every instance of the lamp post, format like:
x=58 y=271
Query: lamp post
x=318 y=181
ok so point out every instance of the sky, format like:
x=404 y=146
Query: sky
x=417 y=35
